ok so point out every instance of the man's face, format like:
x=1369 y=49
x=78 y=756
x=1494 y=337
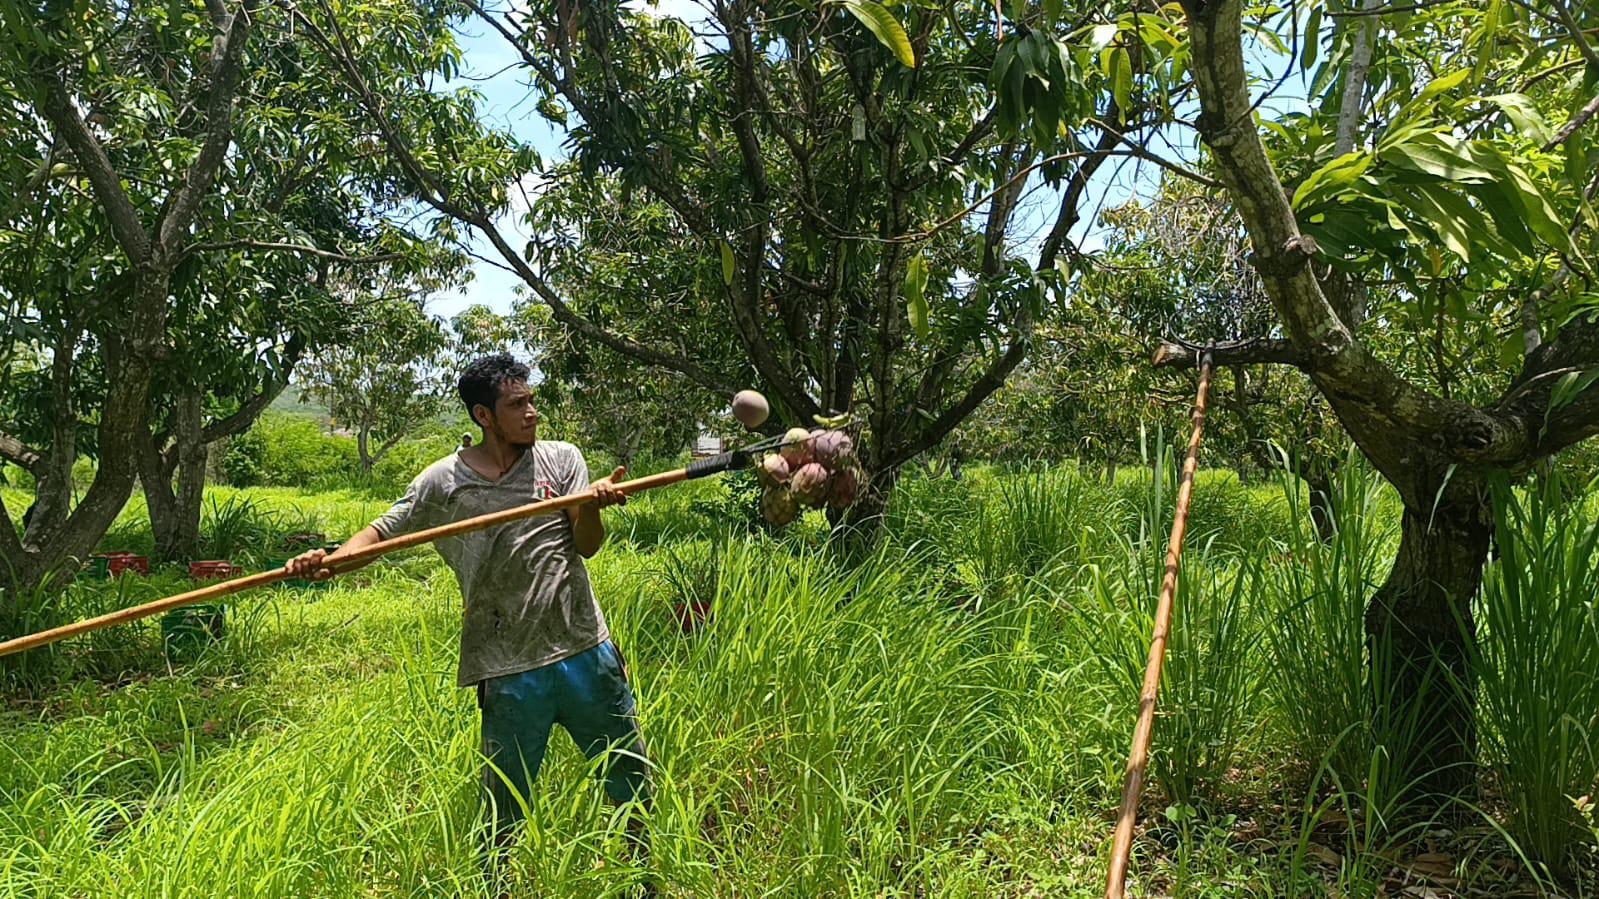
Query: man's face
x=515 y=419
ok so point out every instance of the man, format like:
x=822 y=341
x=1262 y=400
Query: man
x=466 y=441
x=533 y=640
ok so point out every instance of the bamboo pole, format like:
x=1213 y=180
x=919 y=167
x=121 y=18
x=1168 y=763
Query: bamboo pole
x=354 y=559
x=1138 y=760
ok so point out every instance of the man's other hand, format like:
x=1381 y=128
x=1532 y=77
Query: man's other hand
x=605 y=492
x=309 y=565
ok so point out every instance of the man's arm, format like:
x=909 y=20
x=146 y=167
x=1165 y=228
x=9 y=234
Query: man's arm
x=317 y=563
x=588 y=531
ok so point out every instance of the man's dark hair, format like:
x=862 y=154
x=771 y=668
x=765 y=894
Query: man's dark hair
x=480 y=382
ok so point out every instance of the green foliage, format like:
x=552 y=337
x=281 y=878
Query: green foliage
x=238 y=530
x=285 y=451
x=1316 y=629
x=842 y=730
x=1538 y=699
x=736 y=506
x=386 y=381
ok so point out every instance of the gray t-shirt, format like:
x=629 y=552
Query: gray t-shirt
x=528 y=601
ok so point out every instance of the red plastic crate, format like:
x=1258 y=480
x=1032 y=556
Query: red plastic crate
x=692 y=615
x=118 y=564
x=214 y=570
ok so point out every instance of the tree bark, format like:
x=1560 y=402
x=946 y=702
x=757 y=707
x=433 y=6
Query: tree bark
x=1419 y=628
x=175 y=513
x=362 y=436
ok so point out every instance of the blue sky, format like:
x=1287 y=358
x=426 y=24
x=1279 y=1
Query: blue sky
x=493 y=68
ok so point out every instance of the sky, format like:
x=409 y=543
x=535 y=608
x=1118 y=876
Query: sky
x=494 y=70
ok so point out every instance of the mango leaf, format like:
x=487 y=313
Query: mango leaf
x=1502 y=206
x=1312 y=39
x=1570 y=386
x=1478 y=229
x=1439 y=155
x=1101 y=36
x=1512 y=348
x=1440 y=84
x=728 y=264
x=1521 y=112
x=882 y=23
x=1332 y=177
x=1485 y=45
x=1121 y=78
x=1540 y=213
x=916 y=295
x=1423 y=200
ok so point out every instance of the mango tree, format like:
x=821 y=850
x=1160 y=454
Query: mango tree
x=1448 y=154
x=178 y=206
x=836 y=207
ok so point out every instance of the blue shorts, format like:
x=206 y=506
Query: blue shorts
x=587 y=694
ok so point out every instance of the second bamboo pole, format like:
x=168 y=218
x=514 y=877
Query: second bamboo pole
x=1138 y=760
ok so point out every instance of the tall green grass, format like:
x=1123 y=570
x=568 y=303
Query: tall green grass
x=946 y=717
x=1536 y=670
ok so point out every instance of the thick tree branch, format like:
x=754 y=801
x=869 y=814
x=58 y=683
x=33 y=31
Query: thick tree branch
x=1354 y=97
x=20 y=454
x=1071 y=200
x=1385 y=414
x=980 y=390
x=246 y=414
x=103 y=178
x=227 y=55
x=1572 y=353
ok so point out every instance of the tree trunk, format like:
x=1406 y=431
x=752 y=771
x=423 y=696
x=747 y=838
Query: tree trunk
x=361 y=437
x=191 y=496
x=1419 y=628
x=175 y=514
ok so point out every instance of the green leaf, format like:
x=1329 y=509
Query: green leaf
x=1101 y=36
x=1439 y=155
x=1052 y=11
x=1330 y=178
x=1540 y=213
x=1512 y=348
x=1121 y=78
x=1485 y=47
x=882 y=23
x=728 y=263
x=1312 y=39
x=1521 y=112
x=1502 y=206
x=1570 y=386
x=916 y=295
x=1450 y=216
x=1440 y=84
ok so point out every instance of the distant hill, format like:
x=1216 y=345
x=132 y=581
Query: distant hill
x=290 y=402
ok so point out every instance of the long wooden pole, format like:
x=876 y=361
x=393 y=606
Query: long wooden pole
x=1121 y=849
x=354 y=559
